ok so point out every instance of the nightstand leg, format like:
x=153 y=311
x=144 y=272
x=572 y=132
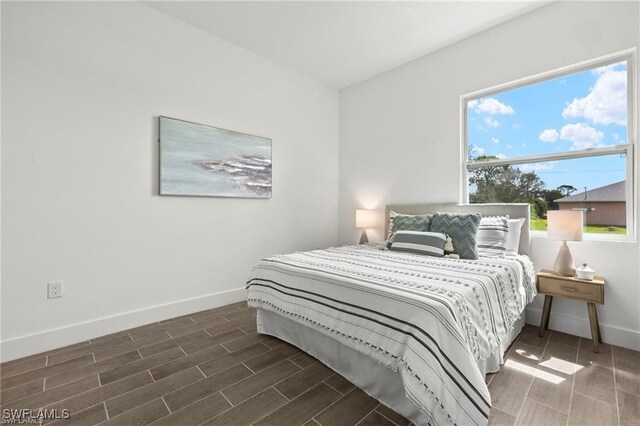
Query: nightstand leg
x=544 y=324
x=595 y=308
x=593 y=320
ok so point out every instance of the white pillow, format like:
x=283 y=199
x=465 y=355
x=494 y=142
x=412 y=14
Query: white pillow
x=513 y=241
x=493 y=235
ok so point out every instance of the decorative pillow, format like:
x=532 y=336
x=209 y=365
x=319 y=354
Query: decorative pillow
x=513 y=242
x=463 y=230
x=493 y=234
x=408 y=222
x=429 y=243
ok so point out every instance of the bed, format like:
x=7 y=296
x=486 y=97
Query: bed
x=418 y=333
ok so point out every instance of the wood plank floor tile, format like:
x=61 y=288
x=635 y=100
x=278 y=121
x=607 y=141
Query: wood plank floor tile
x=50 y=370
x=250 y=327
x=251 y=410
x=627 y=373
x=500 y=418
x=304 y=380
x=190 y=328
x=202 y=388
x=188 y=361
x=42 y=399
x=140 y=365
x=348 y=410
x=142 y=415
x=212 y=340
x=86 y=370
x=376 y=419
x=529 y=336
x=197 y=412
x=629 y=406
x=586 y=355
x=589 y=411
x=552 y=389
x=22 y=367
x=339 y=383
x=258 y=382
x=508 y=390
x=21 y=391
x=230 y=359
x=536 y=414
x=98 y=395
x=134 y=345
x=567 y=339
x=596 y=382
x=303 y=408
x=240 y=314
x=303 y=359
x=86 y=349
x=139 y=396
x=186 y=339
x=392 y=415
x=272 y=357
x=231 y=325
x=196 y=366
x=243 y=341
x=90 y=416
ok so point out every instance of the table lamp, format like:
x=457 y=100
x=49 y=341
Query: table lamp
x=565 y=225
x=365 y=219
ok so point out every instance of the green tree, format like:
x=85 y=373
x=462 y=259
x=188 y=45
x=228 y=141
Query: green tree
x=504 y=184
x=566 y=190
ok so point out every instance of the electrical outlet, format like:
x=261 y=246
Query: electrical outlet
x=54 y=289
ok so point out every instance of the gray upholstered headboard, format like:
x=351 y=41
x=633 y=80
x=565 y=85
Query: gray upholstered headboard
x=515 y=211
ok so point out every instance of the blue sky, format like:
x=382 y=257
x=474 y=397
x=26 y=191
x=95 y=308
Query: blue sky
x=575 y=112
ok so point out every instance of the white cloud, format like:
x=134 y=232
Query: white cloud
x=495 y=140
x=537 y=167
x=491 y=122
x=606 y=101
x=582 y=136
x=524 y=144
x=509 y=147
x=501 y=156
x=615 y=136
x=516 y=126
x=476 y=150
x=549 y=135
x=482 y=129
x=491 y=106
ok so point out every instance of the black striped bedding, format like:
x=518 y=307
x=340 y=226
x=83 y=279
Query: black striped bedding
x=430 y=319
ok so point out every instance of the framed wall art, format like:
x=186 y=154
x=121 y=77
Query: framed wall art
x=206 y=161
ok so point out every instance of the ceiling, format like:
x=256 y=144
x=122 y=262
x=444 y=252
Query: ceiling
x=343 y=43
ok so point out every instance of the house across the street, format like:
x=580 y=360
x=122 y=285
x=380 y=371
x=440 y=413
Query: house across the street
x=605 y=205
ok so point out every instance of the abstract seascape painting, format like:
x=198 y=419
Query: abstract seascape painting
x=206 y=161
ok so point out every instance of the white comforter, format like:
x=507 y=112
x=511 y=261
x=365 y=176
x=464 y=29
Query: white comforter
x=430 y=319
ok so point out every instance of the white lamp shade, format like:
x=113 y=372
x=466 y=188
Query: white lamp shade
x=565 y=225
x=366 y=219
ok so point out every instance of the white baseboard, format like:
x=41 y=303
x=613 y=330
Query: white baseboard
x=580 y=327
x=30 y=344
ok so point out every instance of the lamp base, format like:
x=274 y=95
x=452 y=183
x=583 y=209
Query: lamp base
x=363 y=238
x=564 y=262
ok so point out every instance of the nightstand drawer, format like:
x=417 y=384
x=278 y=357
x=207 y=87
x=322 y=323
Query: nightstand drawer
x=575 y=290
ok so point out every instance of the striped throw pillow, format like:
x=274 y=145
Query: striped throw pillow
x=428 y=243
x=493 y=235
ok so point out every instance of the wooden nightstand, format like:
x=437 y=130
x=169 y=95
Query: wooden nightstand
x=592 y=292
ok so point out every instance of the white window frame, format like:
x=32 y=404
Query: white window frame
x=628 y=55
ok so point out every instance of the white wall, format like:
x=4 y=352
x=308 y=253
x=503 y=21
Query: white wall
x=400 y=137
x=83 y=86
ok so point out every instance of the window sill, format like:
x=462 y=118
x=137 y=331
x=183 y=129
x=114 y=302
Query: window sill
x=591 y=237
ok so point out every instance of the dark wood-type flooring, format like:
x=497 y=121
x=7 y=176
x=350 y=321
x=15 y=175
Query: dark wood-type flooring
x=212 y=368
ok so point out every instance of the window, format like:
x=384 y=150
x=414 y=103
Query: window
x=562 y=140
